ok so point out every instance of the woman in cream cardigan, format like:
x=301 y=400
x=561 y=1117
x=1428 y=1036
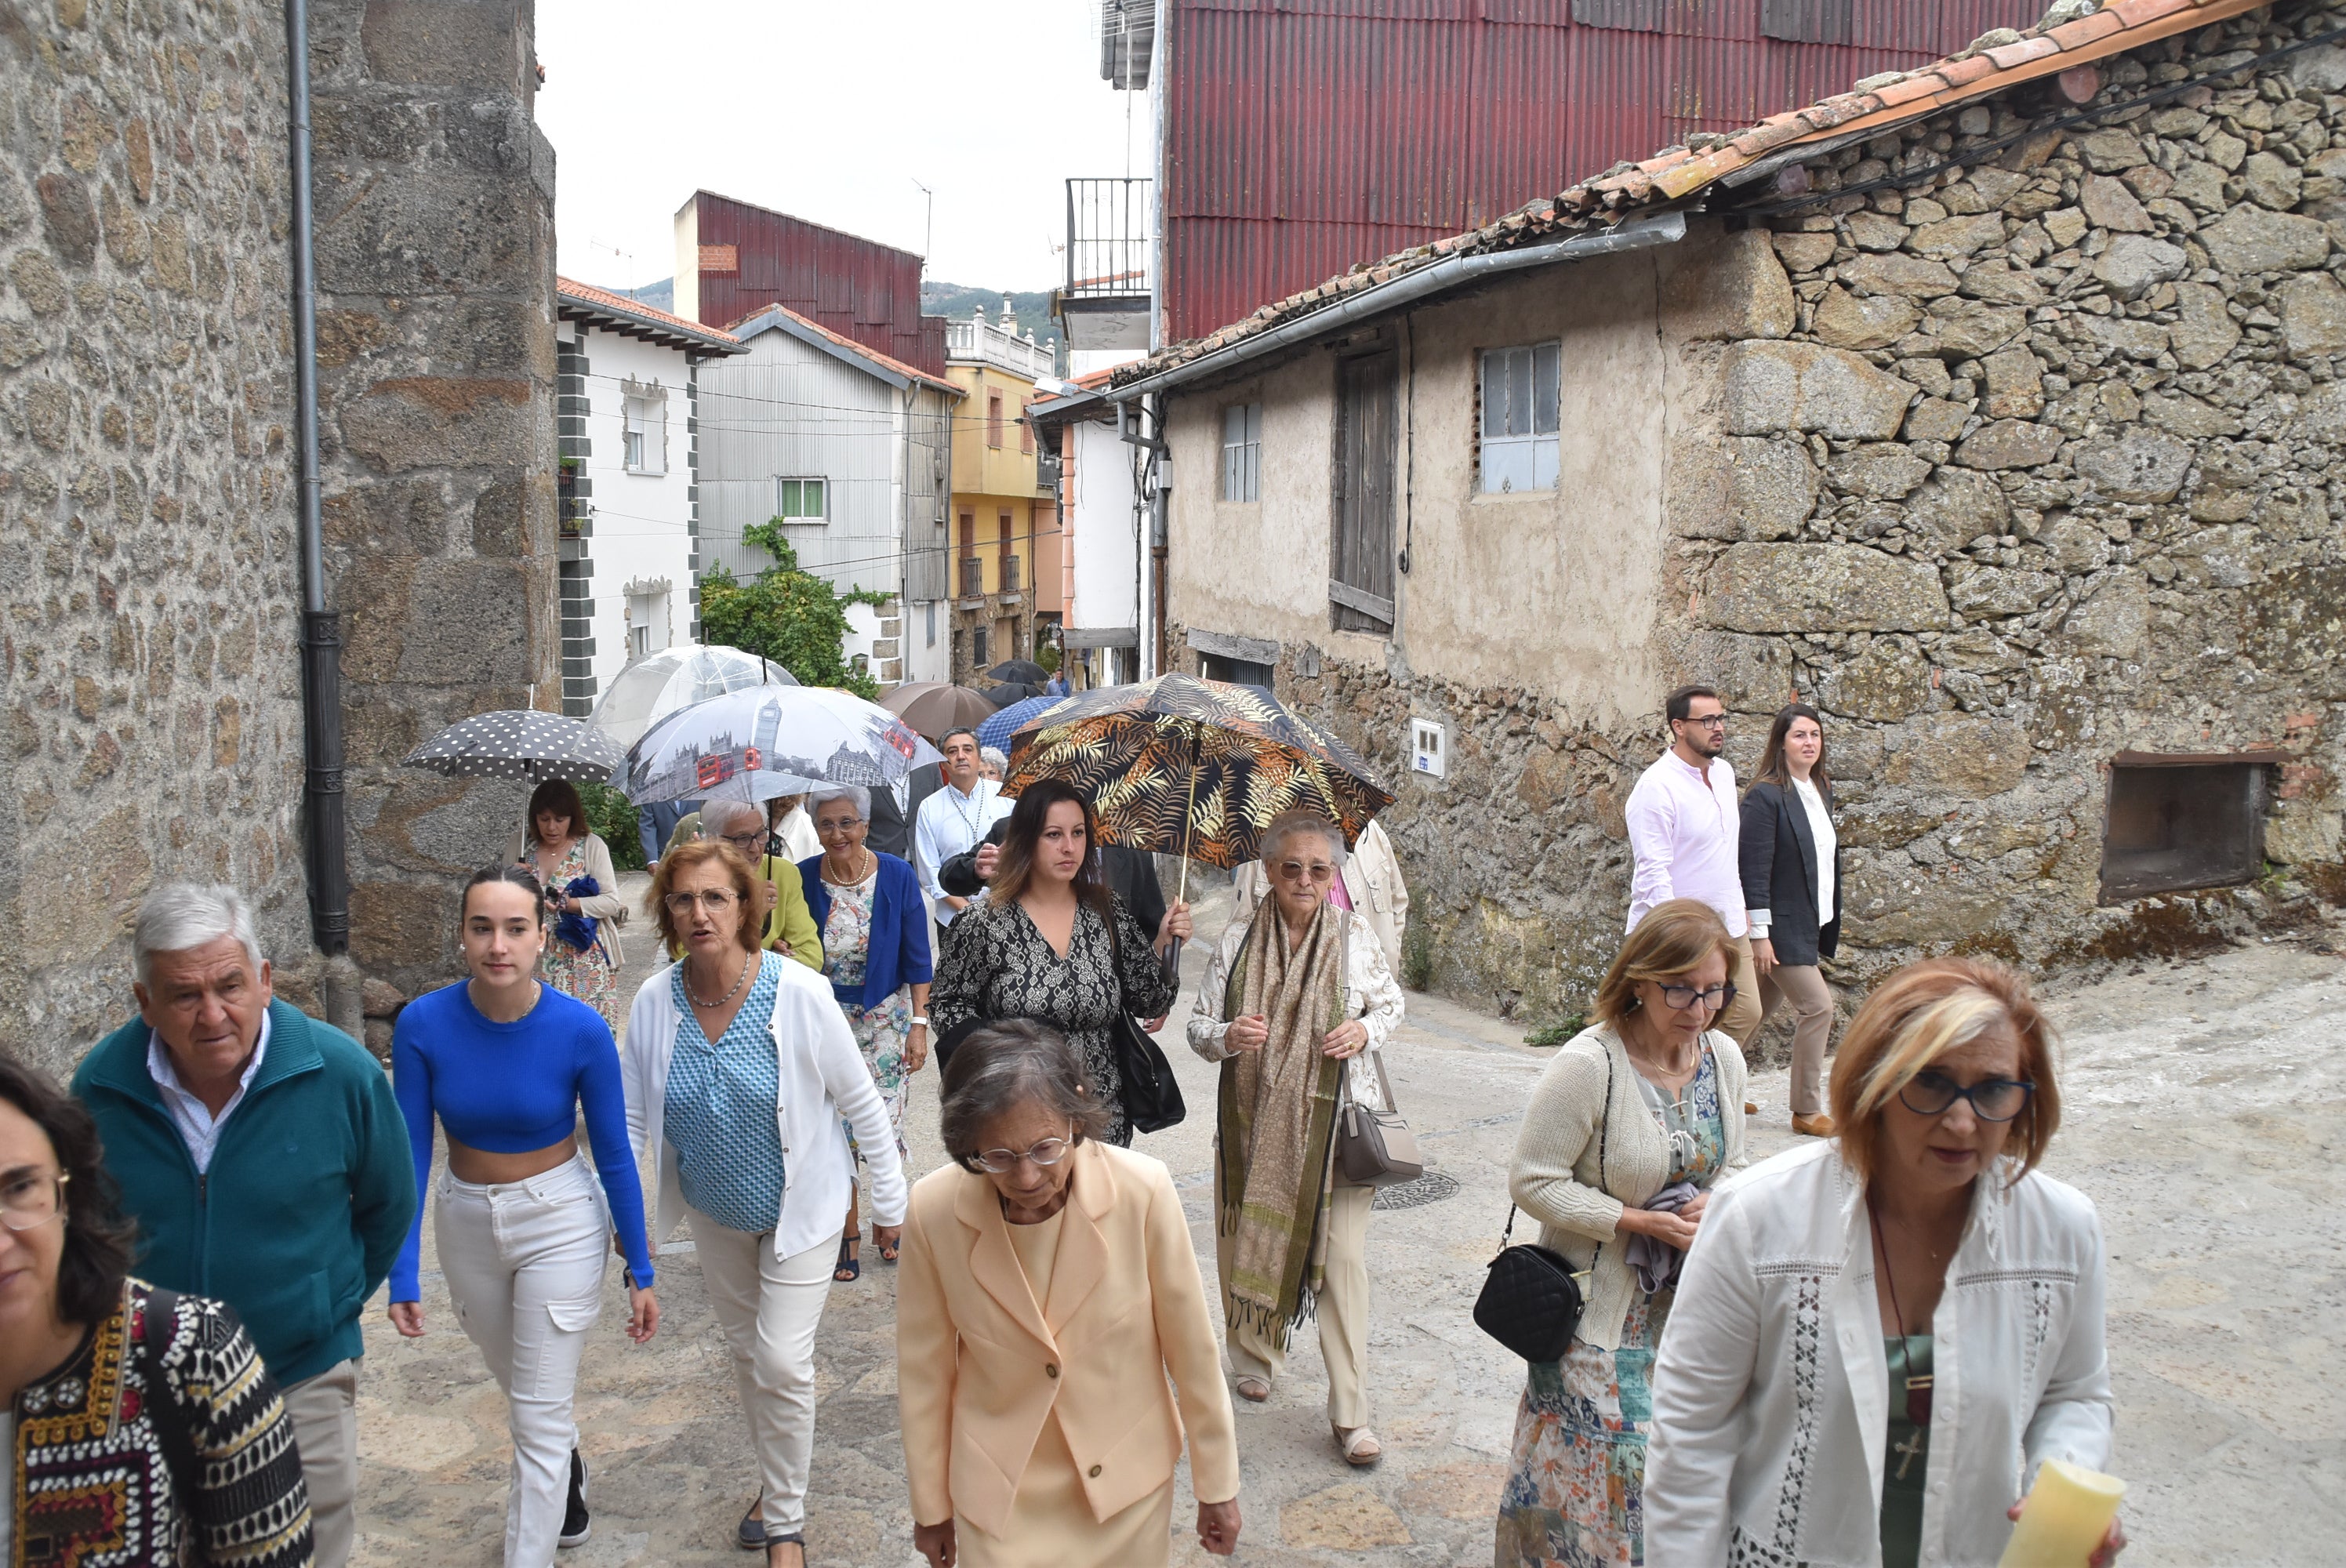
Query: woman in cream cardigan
x=1047 y=1288
x=1880 y=1339
x=1626 y=1131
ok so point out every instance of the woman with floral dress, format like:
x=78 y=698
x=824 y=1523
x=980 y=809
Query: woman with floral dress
x=1629 y=1128
x=875 y=953
x=582 y=949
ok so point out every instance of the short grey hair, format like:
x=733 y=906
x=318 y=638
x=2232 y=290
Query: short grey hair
x=183 y=915
x=855 y=794
x=1287 y=824
x=715 y=814
x=1005 y=1065
x=994 y=755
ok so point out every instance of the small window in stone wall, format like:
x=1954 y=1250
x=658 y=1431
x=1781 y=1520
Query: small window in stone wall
x=1520 y=395
x=2176 y=824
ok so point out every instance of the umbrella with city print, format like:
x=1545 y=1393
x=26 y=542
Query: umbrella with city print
x=767 y=740
x=1194 y=767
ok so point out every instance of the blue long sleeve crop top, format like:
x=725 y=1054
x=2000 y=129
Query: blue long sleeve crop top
x=509 y=1089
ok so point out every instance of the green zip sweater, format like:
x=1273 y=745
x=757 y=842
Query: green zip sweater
x=309 y=1195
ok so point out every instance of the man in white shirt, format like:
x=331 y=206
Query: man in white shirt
x=951 y=820
x=1684 y=832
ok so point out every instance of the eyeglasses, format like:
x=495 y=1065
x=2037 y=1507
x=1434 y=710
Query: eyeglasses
x=1685 y=996
x=1709 y=721
x=1929 y=1093
x=1001 y=1162
x=1298 y=870
x=826 y=827
x=747 y=843
x=717 y=901
x=30 y=1201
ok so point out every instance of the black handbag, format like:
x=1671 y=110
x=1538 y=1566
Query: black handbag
x=1152 y=1095
x=1530 y=1300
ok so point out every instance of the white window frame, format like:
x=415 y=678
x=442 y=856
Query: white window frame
x=783 y=504
x=643 y=442
x=1242 y=452
x=1521 y=404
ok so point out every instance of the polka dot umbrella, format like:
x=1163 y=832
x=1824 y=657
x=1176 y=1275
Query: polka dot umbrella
x=519 y=743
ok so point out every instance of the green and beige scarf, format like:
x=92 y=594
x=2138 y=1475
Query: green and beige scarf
x=1277 y=1118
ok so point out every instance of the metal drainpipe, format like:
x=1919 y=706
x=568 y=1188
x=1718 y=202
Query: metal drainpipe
x=324 y=841
x=1160 y=486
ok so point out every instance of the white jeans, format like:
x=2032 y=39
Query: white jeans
x=525 y=1265
x=768 y=1307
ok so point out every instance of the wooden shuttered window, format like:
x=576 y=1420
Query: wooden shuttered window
x=1361 y=569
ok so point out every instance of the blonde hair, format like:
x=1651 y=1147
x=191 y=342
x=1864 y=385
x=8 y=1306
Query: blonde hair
x=1917 y=1016
x=1672 y=939
x=684 y=858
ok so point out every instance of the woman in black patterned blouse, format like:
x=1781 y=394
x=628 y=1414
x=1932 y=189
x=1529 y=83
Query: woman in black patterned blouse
x=141 y=1428
x=1050 y=941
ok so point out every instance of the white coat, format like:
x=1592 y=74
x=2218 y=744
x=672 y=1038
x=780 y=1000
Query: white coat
x=1771 y=1387
x=822 y=1078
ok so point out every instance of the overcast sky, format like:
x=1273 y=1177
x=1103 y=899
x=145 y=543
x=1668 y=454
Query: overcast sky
x=830 y=110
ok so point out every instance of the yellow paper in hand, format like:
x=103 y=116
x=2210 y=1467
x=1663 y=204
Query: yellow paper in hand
x=2069 y=1511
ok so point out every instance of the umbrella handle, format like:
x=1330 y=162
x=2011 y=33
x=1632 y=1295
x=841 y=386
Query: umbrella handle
x=1188 y=824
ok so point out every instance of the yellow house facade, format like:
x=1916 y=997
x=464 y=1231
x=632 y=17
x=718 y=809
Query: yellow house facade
x=1005 y=547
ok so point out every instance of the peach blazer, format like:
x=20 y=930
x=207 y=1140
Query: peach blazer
x=979 y=1367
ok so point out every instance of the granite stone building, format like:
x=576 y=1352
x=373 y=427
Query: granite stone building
x=148 y=523
x=1994 y=407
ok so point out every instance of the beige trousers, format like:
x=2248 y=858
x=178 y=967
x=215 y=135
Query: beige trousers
x=1803 y=985
x=770 y=1309
x=1343 y=1312
x=325 y=1411
x=1740 y=1019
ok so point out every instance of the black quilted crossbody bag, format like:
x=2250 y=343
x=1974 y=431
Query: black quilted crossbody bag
x=1530 y=1300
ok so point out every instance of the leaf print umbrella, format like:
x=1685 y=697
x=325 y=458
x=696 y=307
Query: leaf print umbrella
x=768 y=740
x=1194 y=767
x=518 y=743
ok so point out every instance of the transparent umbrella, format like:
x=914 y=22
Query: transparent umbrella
x=753 y=745
x=651 y=688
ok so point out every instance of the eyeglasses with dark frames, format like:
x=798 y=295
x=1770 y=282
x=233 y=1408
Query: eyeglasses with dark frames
x=1685 y=996
x=1709 y=721
x=1929 y=1093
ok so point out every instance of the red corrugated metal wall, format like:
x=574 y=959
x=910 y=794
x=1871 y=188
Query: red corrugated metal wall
x=857 y=287
x=1303 y=135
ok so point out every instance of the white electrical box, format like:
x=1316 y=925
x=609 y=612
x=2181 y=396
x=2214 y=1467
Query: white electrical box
x=1429 y=747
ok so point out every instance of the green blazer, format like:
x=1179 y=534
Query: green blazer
x=309 y=1197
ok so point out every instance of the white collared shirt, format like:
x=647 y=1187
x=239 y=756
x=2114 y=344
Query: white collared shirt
x=1685 y=825
x=1820 y=829
x=197 y=1125
x=951 y=823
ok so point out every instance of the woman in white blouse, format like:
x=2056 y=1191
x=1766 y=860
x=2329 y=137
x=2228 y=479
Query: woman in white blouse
x=1879 y=1338
x=1296 y=1005
x=1791 y=861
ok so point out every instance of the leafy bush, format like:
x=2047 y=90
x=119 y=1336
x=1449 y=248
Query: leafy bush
x=788 y=615
x=611 y=817
x=1416 y=956
x=1557 y=1033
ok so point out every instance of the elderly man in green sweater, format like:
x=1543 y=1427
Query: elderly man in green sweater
x=264 y=1158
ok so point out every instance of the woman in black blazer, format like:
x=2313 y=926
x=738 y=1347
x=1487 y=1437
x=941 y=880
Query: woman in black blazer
x=1791 y=890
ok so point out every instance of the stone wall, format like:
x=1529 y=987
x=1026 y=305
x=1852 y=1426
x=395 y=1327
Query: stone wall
x=435 y=267
x=149 y=695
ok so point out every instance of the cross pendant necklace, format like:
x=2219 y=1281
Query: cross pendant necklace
x=1910 y=1450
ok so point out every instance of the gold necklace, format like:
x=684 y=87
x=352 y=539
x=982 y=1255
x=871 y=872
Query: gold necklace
x=712 y=1006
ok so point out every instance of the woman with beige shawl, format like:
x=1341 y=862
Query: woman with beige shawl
x=1295 y=1004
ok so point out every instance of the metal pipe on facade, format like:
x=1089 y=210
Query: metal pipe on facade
x=324 y=841
x=1441 y=276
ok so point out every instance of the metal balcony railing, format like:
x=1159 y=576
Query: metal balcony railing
x=1108 y=239
x=972 y=576
x=1009 y=574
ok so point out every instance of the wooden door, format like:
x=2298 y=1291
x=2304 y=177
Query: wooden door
x=1361 y=568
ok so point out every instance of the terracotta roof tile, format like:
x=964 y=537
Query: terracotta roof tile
x=606 y=298
x=1678 y=172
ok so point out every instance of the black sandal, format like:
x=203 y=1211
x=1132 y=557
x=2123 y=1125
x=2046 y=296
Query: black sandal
x=795 y=1538
x=850 y=1267
x=890 y=1250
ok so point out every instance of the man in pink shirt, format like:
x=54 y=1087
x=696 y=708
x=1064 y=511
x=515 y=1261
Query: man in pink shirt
x=1683 y=823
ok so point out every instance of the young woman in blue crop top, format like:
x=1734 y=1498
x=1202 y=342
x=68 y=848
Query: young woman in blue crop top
x=519 y=1220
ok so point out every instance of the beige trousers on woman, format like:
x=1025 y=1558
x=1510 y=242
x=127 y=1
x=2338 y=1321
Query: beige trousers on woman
x=1803 y=986
x=1343 y=1312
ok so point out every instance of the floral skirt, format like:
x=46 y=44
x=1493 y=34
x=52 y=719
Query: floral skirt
x=588 y=976
x=1574 y=1496
x=881 y=1033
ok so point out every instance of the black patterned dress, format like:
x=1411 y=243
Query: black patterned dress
x=94 y=1462
x=997 y=966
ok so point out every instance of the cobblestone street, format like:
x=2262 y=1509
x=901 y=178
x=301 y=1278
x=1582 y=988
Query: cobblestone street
x=2202 y=1120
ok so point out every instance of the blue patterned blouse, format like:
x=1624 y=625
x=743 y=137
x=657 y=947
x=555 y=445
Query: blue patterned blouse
x=720 y=1115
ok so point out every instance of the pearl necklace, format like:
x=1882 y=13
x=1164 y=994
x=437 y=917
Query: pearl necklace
x=855 y=881
x=747 y=965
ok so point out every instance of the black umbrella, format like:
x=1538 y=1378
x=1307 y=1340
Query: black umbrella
x=1024 y=671
x=1003 y=695
x=519 y=743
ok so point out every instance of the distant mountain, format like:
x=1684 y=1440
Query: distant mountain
x=659 y=296
x=1033 y=311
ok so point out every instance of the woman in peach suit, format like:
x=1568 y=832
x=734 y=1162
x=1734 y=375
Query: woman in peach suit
x=1049 y=1288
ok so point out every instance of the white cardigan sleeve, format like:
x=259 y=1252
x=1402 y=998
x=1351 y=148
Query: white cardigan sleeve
x=1702 y=1371
x=2073 y=1417
x=1207 y=1027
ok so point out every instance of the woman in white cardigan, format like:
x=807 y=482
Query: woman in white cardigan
x=739 y=1068
x=1879 y=1338
x=1626 y=1131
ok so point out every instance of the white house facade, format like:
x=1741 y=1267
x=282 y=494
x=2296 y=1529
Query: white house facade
x=631 y=567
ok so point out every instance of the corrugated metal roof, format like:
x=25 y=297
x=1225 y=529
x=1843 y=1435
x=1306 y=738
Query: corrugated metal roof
x=1301 y=136
x=856 y=288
